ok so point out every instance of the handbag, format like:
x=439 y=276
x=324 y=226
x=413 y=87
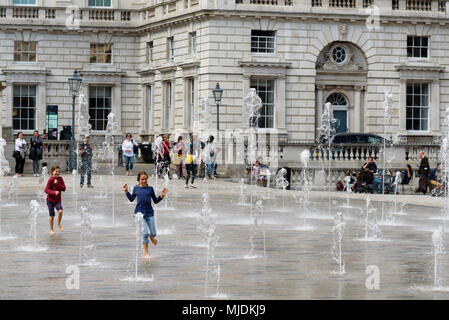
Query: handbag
x=177 y=159
x=16 y=154
x=135 y=148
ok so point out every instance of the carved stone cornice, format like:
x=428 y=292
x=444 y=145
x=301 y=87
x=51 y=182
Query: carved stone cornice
x=26 y=69
x=417 y=67
x=167 y=68
x=189 y=64
x=102 y=73
x=263 y=64
x=146 y=71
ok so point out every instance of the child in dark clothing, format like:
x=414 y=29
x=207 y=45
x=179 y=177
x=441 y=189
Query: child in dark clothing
x=55 y=186
x=144 y=194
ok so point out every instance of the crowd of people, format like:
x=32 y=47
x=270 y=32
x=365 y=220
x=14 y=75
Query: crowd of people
x=370 y=179
x=193 y=156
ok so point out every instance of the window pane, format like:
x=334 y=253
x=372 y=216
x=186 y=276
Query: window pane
x=423 y=124
x=424 y=41
x=424 y=52
x=415 y=124
x=409 y=41
x=416 y=41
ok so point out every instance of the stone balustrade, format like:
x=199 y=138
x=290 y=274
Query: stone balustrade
x=152 y=12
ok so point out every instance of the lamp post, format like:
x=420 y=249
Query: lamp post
x=218 y=94
x=74 y=84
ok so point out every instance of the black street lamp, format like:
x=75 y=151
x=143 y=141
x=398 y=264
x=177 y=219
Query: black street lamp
x=218 y=94
x=74 y=84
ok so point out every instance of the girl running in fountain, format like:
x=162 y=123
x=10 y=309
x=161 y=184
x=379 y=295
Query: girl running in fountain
x=55 y=186
x=144 y=194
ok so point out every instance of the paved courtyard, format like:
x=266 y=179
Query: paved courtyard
x=298 y=261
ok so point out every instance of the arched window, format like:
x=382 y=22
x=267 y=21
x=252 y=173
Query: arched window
x=340 y=110
x=337 y=99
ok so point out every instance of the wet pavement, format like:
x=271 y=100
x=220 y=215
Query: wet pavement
x=298 y=261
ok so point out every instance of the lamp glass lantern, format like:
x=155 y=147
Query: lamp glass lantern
x=75 y=83
x=218 y=93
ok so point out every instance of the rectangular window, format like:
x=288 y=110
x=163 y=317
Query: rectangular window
x=417 y=47
x=191 y=101
x=24 y=108
x=417 y=110
x=150 y=48
x=99 y=3
x=262 y=41
x=265 y=89
x=101 y=53
x=168 y=105
x=149 y=109
x=193 y=43
x=25 y=51
x=30 y=2
x=170 y=48
x=100 y=105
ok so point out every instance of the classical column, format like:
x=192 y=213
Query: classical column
x=319 y=107
x=357 y=114
x=402 y=108
x=434 y=108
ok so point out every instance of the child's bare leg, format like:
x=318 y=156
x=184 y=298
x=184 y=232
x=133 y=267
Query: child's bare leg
x=52 y=218
x=153 y=240
x=59 y=220
x=145 y=248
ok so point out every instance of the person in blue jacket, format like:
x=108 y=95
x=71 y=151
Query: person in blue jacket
x=144 y=194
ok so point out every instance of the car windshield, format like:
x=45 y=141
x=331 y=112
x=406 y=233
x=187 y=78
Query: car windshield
x=372 y=139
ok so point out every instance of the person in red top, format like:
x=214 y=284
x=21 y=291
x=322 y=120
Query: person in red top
x=55 y=186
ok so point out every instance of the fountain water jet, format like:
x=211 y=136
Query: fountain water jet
x=243 y=197
x=306 y=186
x=12 y=193
x=438 y=240
x=372 y=230
x=337 y=232
x=207 y=228
x=139 y=221
x=109 y=152
x=327 y=129
x=87 y=244
x=281 y=182
x=35 y=209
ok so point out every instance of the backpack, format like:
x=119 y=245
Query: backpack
x=340 y=186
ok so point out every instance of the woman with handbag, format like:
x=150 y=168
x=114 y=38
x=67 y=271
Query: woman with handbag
x=19 y=154
x=129 y=148
x=36 y=151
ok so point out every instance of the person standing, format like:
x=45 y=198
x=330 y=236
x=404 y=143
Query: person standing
x=180 y=151
x=19 y=154
x=86 y=152
x=128 y=151
x=36 y=151
x=423 y=170
x=209 y=155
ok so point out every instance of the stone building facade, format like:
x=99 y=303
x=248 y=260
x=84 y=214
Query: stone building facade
x=150 y=62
